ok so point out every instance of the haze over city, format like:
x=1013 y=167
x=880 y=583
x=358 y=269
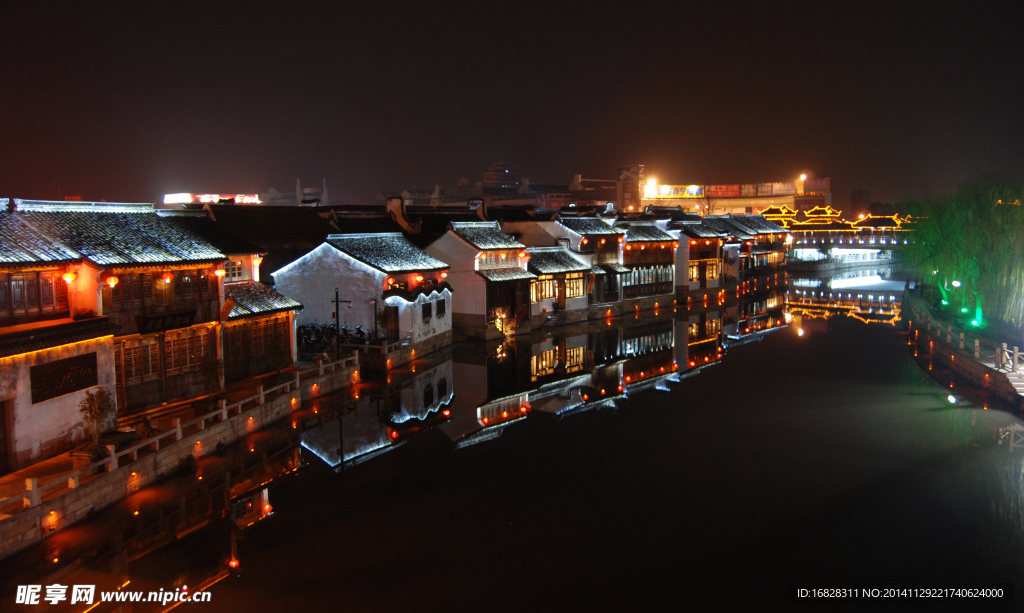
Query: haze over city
x=131 y=102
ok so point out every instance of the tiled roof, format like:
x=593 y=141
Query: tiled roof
x=44 y=337
x=589 y=226
x=723 y=225
x=485 y=235
x=108 y=237
x=597 y=270
x=505 y=274
x=199 y=223
x=615 y=267
x=20 y=244
x=387 y=252
x=253 y=298
x=871 y=221
x=821 y=224
x=778 y=210
x=698 y=230
x=758 y=224
x=639 y=232
x=553 y=261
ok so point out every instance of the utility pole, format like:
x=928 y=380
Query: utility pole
x=375 y=334
x=337 y=327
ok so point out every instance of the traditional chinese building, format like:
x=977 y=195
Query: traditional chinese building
x=257 y=331
x=48 y=357
x=559 y=293
x=375 y=274
x=489 y=270
x=650 y=257
x=155 y=280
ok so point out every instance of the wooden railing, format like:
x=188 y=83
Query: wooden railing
x=1003 y=358
x=34 y=492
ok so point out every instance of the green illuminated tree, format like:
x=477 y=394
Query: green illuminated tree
x=969 y=243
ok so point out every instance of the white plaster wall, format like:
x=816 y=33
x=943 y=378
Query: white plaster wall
x=55 y=421
x=410 y=315
x=469 y=289
x=312 y=278
x=540 y=233
x=573 y=304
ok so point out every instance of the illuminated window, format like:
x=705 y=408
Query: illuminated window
x=694 y=271
x=543 y=364
x=574 y=285
x=713 y=327
x=233 y=271
x=574 y=359
x=542 y=288
x=693 y=330
x=713 y=269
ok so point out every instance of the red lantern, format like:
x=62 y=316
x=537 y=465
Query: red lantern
x=69 y=277
x=112 y=281
x=167 y=277
x=219 y=272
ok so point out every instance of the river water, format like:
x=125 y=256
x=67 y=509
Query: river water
x=711 y=456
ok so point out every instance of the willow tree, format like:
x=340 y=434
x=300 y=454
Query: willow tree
x=970 y=244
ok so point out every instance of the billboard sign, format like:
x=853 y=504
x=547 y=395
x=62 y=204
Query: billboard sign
x=748 y=190
x=818 y=185
x=211 y=198
x=631 y=173
x=764 y=189
x=783 y=189
x=723 y=191
x=679 y=191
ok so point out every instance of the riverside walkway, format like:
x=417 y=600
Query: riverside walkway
x=985 y=361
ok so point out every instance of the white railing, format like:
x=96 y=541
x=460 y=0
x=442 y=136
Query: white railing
x=34 y=492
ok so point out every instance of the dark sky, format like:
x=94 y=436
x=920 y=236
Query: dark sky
x=129 y=102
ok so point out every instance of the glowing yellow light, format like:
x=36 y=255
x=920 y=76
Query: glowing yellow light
x=69 y=277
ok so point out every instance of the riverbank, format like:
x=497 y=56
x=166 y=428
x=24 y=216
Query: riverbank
x=44 y=509
x=985 y=363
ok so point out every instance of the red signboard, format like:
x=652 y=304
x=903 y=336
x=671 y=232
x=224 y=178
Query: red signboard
x=723 y=191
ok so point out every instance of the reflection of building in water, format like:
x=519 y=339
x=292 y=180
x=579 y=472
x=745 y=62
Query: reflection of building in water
x=699 y=339
x=757 y=315
x=179 y=534
x=384 y=418
x=862 y=304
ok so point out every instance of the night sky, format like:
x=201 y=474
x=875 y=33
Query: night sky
x=117 y=104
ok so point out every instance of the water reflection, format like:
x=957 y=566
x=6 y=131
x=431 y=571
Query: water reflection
x=184 y=531
x=180 y=534
x=872 y=295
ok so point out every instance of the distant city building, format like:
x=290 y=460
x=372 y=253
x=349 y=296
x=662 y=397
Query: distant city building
x=502 y=175
x=302 y=196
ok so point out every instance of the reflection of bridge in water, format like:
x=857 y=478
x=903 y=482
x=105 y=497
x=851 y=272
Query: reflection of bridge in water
x=868 y=295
